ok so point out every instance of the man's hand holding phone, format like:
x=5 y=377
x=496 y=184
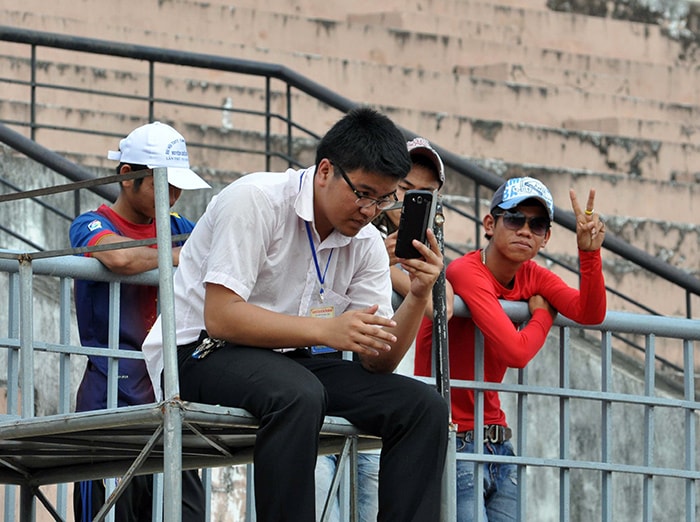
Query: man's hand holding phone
x=416 y=246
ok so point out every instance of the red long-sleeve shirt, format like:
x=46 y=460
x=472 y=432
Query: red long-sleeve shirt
x=506 y=346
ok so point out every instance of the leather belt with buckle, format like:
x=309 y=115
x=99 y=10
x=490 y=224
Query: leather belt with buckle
x=493 y=433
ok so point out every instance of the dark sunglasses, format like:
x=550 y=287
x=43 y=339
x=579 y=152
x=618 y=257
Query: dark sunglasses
x=516 y=220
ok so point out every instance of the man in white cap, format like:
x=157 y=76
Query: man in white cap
x=131 y=217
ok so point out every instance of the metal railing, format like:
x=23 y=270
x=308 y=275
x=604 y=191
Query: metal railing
x=587 y=441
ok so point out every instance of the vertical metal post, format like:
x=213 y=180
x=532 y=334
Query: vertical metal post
x=207 y=482
x=32 y=95
x=27 y=506
x=12 y=379
x=26 y=336
x=64 y=378
x=268 y=124
x=348 y=500
x=64 y=339
x=448 y=502
x=26 y=366
x=113 y=343
x=564 y=425
x=690 y=430
x=172 y=458
x=289 y=125
x=157 y=498
x=521 y=508
x=478 y=425
x=112 y=373
x=151 y=90
x=250 y=515
x=649 y=385
x=606 y=426
x=477 y=216
x=441 y=362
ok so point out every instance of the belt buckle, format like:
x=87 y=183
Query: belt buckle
x=493 y=433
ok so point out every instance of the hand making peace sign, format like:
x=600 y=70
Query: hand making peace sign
x=590 y=229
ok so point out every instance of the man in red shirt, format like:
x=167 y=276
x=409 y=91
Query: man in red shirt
x=517 y=227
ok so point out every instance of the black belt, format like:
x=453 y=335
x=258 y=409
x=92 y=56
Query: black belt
x=493 y=433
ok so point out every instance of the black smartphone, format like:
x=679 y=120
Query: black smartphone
x=417 y=214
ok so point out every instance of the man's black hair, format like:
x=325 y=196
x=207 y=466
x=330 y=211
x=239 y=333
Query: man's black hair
x=367 y=140
x=134 y=168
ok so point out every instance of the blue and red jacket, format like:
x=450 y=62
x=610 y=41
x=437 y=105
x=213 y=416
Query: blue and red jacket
x=137 y=312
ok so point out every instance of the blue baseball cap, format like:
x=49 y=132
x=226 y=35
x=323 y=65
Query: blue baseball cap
x=516 y=190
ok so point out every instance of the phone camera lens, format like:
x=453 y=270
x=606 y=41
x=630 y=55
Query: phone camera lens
x=419 y=199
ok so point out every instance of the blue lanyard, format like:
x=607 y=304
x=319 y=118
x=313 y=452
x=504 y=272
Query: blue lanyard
x=321 y=277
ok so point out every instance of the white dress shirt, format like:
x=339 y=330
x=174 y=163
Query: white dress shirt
x=252 y=239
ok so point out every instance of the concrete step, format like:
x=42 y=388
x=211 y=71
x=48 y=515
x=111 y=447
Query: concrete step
x=560 y=31
x=389 y=87
x=317 y=35
x=339 y=10
x=530 y=21
x=556 y=148
x=637 y=129
x=612 y=77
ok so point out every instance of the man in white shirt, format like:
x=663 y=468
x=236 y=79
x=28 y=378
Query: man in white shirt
x=281 y=267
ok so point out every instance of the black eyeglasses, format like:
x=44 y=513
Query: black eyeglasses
x=365 y=201
x=516 y=220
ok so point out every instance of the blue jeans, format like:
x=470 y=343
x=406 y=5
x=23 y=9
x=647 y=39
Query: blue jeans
x=500 y=485
x=367 y=486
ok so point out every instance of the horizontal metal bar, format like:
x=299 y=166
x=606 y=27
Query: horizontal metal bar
x=619 y=322
x=77 y=267
x=575 y=393
x=590 y=465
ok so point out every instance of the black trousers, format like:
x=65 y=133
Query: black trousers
x=291 y=393
x=136 y=502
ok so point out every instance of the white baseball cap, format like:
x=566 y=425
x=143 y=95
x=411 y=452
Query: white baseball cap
x=159 y=145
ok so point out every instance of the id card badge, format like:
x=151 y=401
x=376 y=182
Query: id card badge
x=322 y=312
